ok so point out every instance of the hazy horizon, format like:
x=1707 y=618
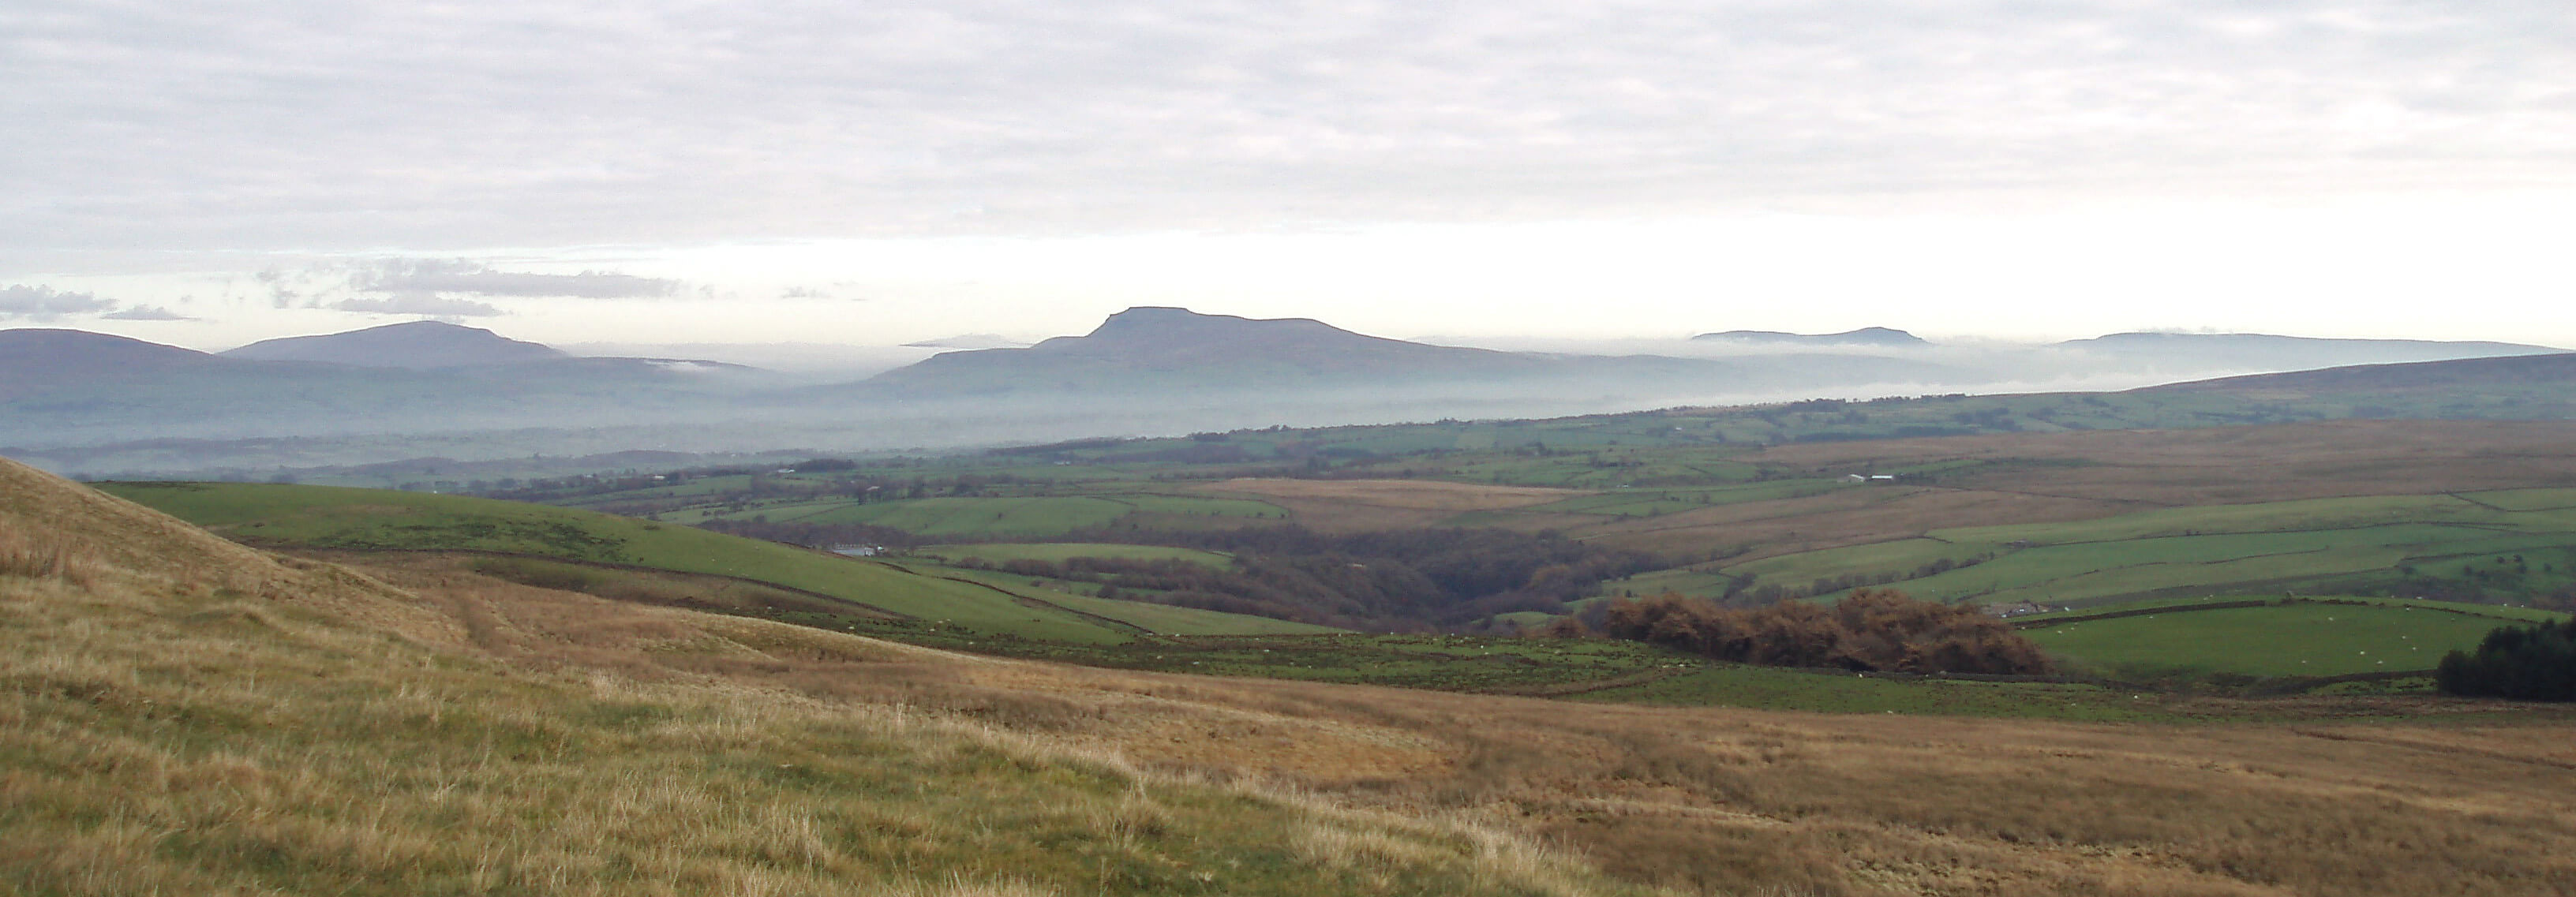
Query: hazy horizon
x=898 y=172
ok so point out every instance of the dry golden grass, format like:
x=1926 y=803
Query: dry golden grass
x=423 y=729
x=1714 y=800
x=169 y=731
x=38 y=556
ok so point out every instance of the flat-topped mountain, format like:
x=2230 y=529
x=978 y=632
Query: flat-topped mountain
x=1179 y=347
x=1178 y=336
x=1881 y=337
x=418 y=345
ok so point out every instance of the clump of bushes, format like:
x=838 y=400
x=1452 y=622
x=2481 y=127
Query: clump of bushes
x=2530 y=663
x=1870 y=630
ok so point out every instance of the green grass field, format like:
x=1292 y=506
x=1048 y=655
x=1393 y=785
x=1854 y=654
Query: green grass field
x=973 y=516
x=2325 y=545
x=1157 y=619
x=1687 y=583
x=1002 y=516
x=2301 y=639
x=369 y=519
x=999 y=552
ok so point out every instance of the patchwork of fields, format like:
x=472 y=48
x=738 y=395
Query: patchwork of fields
x=2066 y=520
x=2376 y=543
x=1005 y=517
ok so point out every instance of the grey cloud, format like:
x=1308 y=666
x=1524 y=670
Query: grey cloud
x=419 y=304
x=146 y=313
x=39 y=303
x=460 y=276
x=553 y=122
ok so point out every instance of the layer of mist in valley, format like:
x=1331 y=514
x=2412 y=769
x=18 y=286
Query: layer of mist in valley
x=168 y=412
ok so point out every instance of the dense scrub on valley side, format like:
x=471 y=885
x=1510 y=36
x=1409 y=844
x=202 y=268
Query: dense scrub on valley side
x=2531 y=663
x=1871 y=629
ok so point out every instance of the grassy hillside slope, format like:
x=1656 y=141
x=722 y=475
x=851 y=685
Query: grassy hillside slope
x=380 y=520
x=183 y=715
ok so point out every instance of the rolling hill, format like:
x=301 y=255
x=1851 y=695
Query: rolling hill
x=2553 y=369
x=72 y=388
x=36 y=361
x=870 y=592
x=188 y=715
x=95 y=404
x=2258 y=351
x=420 y=345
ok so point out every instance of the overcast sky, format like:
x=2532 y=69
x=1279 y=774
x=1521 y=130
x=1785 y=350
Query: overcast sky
x=213 y=173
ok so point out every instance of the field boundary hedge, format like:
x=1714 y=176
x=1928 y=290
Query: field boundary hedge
x=2045 y=622
x=2139 y=612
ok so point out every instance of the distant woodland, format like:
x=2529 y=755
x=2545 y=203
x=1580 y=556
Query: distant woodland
x=2529 y=663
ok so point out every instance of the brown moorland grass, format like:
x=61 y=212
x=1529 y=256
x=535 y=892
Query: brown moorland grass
x=2235 y=465
x=2065 y=477
x=1855 y=516
x=1352 y=505
x=428 y=730
x=1715 y=801
x=174 y=732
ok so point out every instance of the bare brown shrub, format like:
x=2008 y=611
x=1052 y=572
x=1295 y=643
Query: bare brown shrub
x=1871 y=629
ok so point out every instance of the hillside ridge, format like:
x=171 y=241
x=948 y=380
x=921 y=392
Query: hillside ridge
x=418 y=345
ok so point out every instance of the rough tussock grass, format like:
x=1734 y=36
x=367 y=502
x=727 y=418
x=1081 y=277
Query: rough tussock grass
x=295 y=727
x=292 y=727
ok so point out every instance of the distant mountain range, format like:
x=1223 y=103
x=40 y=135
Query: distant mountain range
x=70 y=387
x=1143 y=370
x=1150 y=352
